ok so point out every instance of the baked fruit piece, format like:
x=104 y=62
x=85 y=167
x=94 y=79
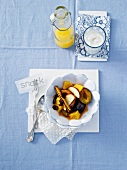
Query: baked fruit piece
x=79 y=87
x=71 y=100
x=85 y=96
x=75 y=115
x=67 y=84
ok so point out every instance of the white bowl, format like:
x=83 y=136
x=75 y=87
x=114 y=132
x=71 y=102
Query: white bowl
x=92 y=106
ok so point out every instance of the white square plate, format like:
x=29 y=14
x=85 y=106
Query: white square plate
x=50 y=75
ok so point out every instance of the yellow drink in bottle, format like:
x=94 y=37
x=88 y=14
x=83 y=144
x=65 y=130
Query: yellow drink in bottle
x=63 y=29
x=64 y=38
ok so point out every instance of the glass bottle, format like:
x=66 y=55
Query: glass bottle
x=63 y=29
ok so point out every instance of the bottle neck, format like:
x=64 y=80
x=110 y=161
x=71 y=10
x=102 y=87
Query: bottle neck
x=62 y=20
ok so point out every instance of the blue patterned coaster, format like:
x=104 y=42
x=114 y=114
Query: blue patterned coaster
x=83 y=22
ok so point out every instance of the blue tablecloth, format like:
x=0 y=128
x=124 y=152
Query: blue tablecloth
x=26 y=42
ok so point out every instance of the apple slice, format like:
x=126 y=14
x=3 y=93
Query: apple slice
x=74 y=91
x=69 y=99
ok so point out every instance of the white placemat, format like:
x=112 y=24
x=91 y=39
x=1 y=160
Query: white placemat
x=50 y=74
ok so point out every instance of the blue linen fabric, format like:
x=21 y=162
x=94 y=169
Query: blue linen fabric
x=105 y=150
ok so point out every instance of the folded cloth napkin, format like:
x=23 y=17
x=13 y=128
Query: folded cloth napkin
x=52 y=131
x=92 y=18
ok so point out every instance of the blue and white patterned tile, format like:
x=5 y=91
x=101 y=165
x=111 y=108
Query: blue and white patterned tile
x=83 y=22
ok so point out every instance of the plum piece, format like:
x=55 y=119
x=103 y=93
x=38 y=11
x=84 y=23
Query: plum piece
x=78 y=106
x=85 y=96
x=55 y=107
x=54 y=98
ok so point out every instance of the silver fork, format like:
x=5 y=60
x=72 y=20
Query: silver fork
x=30 y=135
x=40 y=104
x=35 y=93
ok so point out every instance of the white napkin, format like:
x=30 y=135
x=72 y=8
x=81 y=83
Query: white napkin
x=53 y=132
